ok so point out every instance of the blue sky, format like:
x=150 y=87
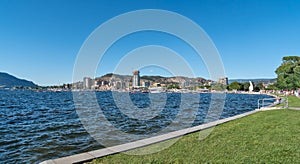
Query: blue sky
x=39 y=40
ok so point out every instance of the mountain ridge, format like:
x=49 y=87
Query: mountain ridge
x=10 y=81
x=255 y=80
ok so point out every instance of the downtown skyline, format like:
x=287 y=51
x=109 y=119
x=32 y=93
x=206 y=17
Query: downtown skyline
x=40 y=40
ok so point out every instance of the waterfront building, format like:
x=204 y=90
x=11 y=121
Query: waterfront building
x=118 y=84
x=223 y=80
x=112 y=82
x=98 y=83
x=87 y=83
x=136 y=78
x=146 y=84
x=184 y=83
x=77 y=85
x=156 y=85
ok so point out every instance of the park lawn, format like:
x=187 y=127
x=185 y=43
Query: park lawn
x=263 y=137
x=294 y=101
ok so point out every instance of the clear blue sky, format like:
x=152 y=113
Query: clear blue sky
x=39 y=40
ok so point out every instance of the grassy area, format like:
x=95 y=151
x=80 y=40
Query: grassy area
x=294 y=101
x=264 y=137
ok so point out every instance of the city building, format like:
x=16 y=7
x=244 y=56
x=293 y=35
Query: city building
x=118 y=85
x=98 y=83
x=184 y=83
x=87 y=83
x=223 y=80
x=146 y=84
x=136 y=78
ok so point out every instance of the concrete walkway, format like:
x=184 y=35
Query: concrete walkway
x=294 y=108
x=88 y=156
x=274 y=108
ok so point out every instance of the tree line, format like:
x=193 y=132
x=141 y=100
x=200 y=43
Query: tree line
x=288 y=77
x=245 y=86
x=288 y=73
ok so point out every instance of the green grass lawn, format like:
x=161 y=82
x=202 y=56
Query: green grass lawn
x=264 y=137
x=294 y=101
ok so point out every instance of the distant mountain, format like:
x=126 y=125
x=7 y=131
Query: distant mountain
x=253 y=80
x=156 y=79
x=9 y=81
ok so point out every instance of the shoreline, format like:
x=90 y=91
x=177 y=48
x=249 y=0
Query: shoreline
x=91 y=155
x=51 y=108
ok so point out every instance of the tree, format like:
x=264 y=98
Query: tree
x=246 y=86
x=173 y=86
x=258 y=87
x=235 y=86
x=272 y=87
x=288 y=73
x=218 y=87
x=291 y=59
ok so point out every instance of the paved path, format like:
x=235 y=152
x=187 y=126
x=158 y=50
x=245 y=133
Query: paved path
x=294 y=108
x=273 y=108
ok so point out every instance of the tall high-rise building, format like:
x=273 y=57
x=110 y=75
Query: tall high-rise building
x=87 y=83
x=136 y=78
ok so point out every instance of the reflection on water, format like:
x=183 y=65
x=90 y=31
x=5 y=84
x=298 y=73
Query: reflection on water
x=36 y=126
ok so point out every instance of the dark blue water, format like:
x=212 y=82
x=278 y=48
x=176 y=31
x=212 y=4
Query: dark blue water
x=36 y=126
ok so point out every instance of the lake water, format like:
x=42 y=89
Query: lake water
x=37 y=126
